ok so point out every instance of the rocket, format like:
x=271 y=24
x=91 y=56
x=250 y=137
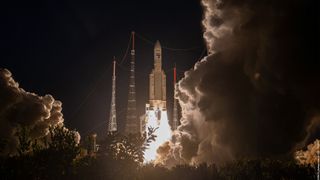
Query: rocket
x=157 y=83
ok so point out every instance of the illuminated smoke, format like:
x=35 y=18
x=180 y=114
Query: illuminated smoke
x=311 y=155
x=257 y=93
x=163 y=133
x=19 y=108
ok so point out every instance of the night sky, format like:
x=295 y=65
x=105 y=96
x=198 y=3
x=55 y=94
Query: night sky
x=65 y=48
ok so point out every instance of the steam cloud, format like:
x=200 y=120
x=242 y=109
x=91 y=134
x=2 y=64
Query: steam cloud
x=257 y=93
x=310 y=155
x=19 y=108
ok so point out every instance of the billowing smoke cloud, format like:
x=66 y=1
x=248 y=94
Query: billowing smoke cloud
x=310 y=155
x=257 y=94
x=19 y=108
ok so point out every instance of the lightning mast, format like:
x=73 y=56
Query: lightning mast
x=175 y=123
x=132 y=125
x=112 y=127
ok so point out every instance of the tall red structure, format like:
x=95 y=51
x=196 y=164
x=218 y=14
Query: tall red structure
x=175 y=121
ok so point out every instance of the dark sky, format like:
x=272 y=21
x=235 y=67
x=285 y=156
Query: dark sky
x=65 y=48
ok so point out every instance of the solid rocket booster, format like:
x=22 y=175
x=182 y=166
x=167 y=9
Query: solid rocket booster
x=157 y=82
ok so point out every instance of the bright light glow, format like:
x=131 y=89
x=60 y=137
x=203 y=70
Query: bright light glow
x=163 y=133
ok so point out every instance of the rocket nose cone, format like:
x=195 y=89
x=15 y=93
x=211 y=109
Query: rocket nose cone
x=157 y=45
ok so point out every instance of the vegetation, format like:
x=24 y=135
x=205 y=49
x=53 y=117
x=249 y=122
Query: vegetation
x=121 y=157
x=51 y=160
x=239 y=170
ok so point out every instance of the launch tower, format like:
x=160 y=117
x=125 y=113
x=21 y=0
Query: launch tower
x=132 y=124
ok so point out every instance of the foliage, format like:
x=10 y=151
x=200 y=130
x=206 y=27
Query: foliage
x=3 y=143
x=24 y=140
x=60 y=152
x=262 y=169
x=127 y=147
x=54 y=160
x=121 y=157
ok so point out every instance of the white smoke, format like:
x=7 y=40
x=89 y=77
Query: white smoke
x=242 y=98
x=19 y=108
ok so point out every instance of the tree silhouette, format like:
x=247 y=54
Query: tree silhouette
x=51 y=160
x=121 y=157
x=24 y=140
x=56 y=160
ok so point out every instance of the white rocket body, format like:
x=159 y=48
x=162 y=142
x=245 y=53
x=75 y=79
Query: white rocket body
x=157 y=84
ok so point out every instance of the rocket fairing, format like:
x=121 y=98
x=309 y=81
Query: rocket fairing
x=157 y=82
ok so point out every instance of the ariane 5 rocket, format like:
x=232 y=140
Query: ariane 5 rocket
x=157 y=83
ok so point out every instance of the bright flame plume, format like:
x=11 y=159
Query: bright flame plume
x=163 y=133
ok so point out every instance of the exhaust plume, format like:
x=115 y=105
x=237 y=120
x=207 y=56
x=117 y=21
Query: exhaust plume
x=19 y=108
x=257 y=92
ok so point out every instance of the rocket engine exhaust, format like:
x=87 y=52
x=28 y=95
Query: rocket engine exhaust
x=158 y=120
